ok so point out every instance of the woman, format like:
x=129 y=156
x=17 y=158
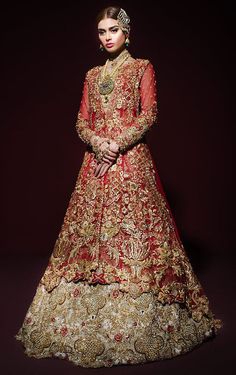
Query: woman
x=119 y=287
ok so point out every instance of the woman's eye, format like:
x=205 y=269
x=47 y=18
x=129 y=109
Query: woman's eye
x=100 y=32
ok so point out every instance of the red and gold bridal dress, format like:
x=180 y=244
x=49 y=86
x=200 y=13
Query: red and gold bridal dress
x=119 y=287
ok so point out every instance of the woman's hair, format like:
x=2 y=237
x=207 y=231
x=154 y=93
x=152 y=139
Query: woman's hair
x=117 y=13
x=109 y=12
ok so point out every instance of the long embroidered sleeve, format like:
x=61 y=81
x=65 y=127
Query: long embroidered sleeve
x=82 y=123
x=148 y=113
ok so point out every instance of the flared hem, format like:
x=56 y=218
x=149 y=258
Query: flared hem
x=101 y=326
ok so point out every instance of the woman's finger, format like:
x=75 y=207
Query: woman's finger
x=98 y=168
x=103 y=169
x=112 y=153
x=108 y=166
x=108 y=159
x=99 y=173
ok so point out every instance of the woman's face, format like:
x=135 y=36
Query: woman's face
x=110 y=34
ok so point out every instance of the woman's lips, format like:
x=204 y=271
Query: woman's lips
x=109 y=45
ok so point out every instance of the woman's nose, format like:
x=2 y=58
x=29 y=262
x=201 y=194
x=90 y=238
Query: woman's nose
x=108 y=36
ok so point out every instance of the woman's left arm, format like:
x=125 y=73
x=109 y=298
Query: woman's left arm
x=148 y=114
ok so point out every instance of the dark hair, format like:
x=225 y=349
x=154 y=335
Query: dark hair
x=113 y=12
x=109 y=12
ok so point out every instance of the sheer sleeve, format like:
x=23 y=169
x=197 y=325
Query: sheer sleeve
x=148 y=112
x=82 y=123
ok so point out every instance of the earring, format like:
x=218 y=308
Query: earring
x=101 y=47
x=127 y=42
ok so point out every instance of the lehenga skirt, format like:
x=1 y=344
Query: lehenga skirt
x=114 y=316
x=97 y=325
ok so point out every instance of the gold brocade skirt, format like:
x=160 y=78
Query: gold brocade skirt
x=97 y=325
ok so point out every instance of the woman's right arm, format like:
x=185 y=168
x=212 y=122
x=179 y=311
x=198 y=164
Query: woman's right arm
x=83 y=128
x=82 y=122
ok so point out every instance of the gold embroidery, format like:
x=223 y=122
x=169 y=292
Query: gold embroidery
x=121 y=231
x=101 y=326
x=90 y=348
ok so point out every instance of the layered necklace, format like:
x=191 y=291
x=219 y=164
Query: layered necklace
x=106 y=82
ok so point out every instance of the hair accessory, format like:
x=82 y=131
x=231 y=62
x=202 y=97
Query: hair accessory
x=123 y=20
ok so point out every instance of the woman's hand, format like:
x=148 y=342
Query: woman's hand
x=97 y=140
x=108 y=159
x=112 y=153
x=102 y=168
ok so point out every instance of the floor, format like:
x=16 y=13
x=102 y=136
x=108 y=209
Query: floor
x=20 y=277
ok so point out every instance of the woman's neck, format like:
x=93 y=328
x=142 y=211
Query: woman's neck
x=115 y=55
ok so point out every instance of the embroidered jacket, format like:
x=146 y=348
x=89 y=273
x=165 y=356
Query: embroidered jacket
x=132 y=108
x=119 y=228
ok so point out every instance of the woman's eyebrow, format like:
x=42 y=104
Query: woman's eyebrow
x=110 y=28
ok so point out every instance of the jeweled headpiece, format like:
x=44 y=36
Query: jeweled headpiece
x=123 y=20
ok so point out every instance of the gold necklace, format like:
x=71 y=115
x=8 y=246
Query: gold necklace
x=107 y=84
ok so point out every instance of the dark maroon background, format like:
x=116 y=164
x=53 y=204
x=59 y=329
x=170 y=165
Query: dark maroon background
x=46 y=50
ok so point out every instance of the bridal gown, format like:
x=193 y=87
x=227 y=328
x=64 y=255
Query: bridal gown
x=119 y=287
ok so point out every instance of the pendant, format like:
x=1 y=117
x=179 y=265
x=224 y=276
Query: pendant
x=106 y=86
